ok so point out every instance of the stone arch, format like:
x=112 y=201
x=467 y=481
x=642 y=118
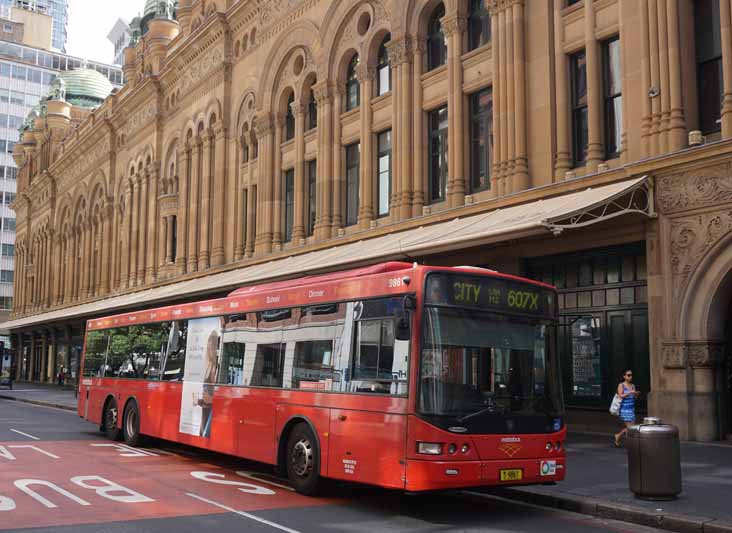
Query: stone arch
x=213 y=109
x=418 y=13
x=301 y=35
x=169 y=174
x=372 y=45
x=339 y=32
x=245 y=109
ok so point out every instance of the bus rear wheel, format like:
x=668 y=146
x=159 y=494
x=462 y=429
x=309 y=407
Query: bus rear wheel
x=111 y=414
x=303 y=461
x=131 y=425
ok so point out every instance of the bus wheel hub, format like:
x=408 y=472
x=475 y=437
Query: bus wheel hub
x=302 y=458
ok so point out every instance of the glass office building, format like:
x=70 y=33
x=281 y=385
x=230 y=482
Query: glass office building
x=57 y=9
x=26 y=75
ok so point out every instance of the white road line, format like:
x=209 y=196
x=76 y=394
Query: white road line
x=242 y=513
x=24 y=434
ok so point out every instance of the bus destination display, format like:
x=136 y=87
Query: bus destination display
x=488 y=293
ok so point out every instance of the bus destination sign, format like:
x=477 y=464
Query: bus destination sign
x=489 y=293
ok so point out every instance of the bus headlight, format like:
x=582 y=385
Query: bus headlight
x=429 y=448
x=548 y=446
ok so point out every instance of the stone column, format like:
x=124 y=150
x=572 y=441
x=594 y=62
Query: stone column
x=127 y=238
x=32 y=356
x=168 y=229
x=241 y=207
x=251 y=217
x=265 y=135
x=193 y=206
x=219 y=215
x=677 y=120
x=563 y=158
x=135 y=234
x=278 y=198
x=43 y=374
x=204 y=219
x=152 y=217
x=366 y=181
x=395 y=50
x=420 y=154
x=324 y=101
x=404 y=61
x=454 y=27
x=70 y=267
x=337 y=170
x=86 y=260
x=595 y=148
x=181 y=228
x=106 y=242
x=521 y=165
x=142 y=244
x=726 y=38
x=298 y=227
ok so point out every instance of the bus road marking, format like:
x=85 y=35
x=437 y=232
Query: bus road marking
x=25 y=434
x=242 y=513
x=253 y=476
x=126 y=451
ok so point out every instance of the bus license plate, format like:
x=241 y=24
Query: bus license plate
x=514 y=474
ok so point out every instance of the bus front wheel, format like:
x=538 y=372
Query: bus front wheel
x=303 y=460
x=111 y=414
x=131 y=425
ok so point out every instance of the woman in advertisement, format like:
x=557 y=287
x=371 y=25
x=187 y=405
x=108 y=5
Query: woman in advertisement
x=210 y=376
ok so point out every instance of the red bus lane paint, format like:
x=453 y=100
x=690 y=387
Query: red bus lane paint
x=72 y=485
x=398 y=375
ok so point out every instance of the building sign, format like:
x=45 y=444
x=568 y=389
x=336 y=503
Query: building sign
x=586 y=371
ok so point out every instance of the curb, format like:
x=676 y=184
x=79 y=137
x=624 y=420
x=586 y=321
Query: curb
x=681 y=523
x=39 y=402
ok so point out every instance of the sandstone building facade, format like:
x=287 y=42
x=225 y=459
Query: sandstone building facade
x=257 y=139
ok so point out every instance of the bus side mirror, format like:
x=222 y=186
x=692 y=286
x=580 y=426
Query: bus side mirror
x=402 y=323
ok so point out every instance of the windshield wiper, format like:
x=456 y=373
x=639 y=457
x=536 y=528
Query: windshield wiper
x=489 y=409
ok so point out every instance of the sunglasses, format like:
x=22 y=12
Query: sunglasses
x=629 y=375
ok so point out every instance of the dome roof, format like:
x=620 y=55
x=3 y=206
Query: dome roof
x=85 y=87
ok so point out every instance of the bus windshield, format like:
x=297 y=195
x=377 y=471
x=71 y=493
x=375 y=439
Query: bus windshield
x=488 y=372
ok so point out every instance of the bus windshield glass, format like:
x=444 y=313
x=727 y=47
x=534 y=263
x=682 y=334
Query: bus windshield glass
x=486 y=371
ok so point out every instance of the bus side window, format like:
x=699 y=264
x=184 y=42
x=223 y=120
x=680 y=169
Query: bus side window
x=118 y=355
x=313 y=362
x=147 y=341
x=173 y=359
x=380 y=361
x=269 y=361
x=233 y=350
x=95 y=353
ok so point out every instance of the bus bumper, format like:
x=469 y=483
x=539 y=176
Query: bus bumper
x=435 y=475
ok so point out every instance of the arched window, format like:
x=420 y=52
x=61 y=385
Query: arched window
x=353 y=87
x=383 y=69
x=479 y=25
x=290 y=119
x=244 y=151
x=436 y=47
x=254 y=145
x=312 y=110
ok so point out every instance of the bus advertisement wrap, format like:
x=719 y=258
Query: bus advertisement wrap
x=199 y=378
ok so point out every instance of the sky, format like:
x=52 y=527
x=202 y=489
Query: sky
x=90 y=22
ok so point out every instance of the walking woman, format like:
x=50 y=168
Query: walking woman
x=626 y=391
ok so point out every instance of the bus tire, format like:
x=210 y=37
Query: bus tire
x=110 y=420
x=131 y=425
x=303 y=460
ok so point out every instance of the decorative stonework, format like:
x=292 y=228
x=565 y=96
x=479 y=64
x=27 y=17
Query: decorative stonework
x=270 y=9
x=199 y=70
x=694 y=189
x=83 y=163
x=673 y=354
x=680 y=355
x=139 y=119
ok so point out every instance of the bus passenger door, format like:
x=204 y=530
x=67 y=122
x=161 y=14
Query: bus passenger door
x=367 y=447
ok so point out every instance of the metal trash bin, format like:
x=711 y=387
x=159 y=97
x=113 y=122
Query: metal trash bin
x=654 y=460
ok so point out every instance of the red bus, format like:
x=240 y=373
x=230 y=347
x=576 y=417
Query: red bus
x=398 y=375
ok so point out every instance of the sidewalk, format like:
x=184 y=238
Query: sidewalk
x=597 y=484
x=41 y=394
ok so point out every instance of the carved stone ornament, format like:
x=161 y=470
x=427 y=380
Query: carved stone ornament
x=198 y=70
x=84 y=163
x=269 y=9
x=691 y=238
x=673 y=354
x=695 y=189
x=704 y=354
x=140 y=118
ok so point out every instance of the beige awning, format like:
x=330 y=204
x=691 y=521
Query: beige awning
x=533 y=218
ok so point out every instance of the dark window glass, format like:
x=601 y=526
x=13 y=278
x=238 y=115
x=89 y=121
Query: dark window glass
x=312 y=111
x=173 y=360
x=312 y=170
x=479 y=25
x=95 y=352
x=436 y=45
x=6 y=276
x=383 y=183
x=290 y=119
x=383 y=69
x=438 y=153
x=353 y=87
x=613 y=97
x=8 y=250
x=233 y=350
x=481 y=139
x=269 y=365
x=353 y=154
x=8 y=224
x=289 y=203
x=174 y=241
x=244 y=152
x=254 y=146
x=708 y=63
x=578 y=75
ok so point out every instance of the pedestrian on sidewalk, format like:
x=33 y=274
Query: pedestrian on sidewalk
x=60 y=377
x=628 y=393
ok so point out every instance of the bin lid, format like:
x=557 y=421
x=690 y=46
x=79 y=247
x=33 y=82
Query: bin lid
x=653 y=431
